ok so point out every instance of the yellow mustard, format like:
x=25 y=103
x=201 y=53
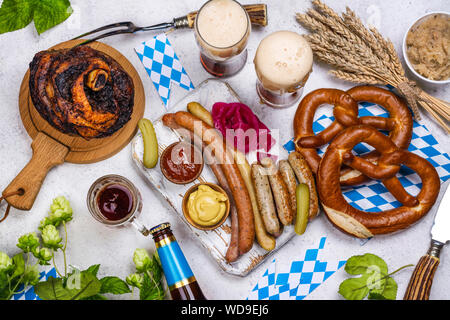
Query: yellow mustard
x=206 y=206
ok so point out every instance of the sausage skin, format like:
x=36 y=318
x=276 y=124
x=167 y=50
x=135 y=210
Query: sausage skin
x=304 y=175
x=214 y=141
x=265 y=201
x=280 y=192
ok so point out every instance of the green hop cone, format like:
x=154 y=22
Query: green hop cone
x=141 y=259
x=135 y=280
x=61 y=211
x=44 y=222
x=44 y=255
x=31 y=275
x=5 y=262
x=28 y=242
x=51 y=238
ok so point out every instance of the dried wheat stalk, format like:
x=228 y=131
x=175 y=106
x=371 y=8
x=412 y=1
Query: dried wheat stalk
x=363 y=55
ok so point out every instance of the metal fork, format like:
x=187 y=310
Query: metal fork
x=129 y=27
x=256 y=12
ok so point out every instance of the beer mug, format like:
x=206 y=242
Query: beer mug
x=283 y=63
x=222 y=28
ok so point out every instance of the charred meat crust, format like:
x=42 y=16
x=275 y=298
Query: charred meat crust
x=60 y=92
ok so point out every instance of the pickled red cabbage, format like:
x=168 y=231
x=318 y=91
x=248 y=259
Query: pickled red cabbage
x=240 y=126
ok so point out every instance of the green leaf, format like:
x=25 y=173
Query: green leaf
x=375 y=296
x=96 y=297
x=93 y=269
x=78 y=286
x=52 y=289
x=49 y=13
x=15 y=14
x=389 y=291
x=114 y=285
x=151 y=289
x=31 y=275
x=365 y=263
x=354 y=288
x=4 y=286
x=19 y=264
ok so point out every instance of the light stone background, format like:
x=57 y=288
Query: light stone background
x=92 y=243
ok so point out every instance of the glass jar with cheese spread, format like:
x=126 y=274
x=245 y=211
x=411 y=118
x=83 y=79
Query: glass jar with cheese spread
x=283 y=63
x=222 y=28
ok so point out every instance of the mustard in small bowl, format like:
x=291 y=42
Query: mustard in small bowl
x=206 y=206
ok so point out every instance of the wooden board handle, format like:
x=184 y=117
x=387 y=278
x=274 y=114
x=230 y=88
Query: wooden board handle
x=46 y=154
x=422 y=278
x=256 y=12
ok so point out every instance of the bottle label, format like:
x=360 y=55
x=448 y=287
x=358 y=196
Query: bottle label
x=175 y=266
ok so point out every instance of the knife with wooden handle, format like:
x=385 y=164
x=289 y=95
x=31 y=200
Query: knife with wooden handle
x=419 y=286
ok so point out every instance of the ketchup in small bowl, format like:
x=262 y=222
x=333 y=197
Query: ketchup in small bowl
x=181 y=162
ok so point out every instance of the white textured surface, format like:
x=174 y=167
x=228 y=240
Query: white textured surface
x=92 y=243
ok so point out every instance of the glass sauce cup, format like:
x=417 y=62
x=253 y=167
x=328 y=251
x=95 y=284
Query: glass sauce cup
x=102 y=184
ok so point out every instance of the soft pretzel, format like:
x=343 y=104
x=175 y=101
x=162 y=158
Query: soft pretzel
x=364 y=224
x=345 y=112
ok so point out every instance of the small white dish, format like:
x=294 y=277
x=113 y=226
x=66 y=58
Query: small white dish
x=405 y=55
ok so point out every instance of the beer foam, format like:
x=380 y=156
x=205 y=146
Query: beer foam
x=222 y=23
x=283 y=59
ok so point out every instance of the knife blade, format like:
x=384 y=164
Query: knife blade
x=440 y=231
x=419 y=286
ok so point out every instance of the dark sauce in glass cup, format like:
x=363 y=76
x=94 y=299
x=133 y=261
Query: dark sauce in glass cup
x=114 y=201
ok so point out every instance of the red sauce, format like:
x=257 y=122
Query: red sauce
x=115 y=202
x=181 y=162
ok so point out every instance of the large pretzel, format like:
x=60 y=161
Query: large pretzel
x=366 y=224
x=345 y=112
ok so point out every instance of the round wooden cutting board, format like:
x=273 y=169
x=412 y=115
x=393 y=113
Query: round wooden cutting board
x=52 y=147
x=80 y=149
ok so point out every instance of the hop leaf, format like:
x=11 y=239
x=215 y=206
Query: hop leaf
x=5 y=262
x=142 y=260
x=51 y=238
x=31 y=275
x=374 y=280
x=28 y=242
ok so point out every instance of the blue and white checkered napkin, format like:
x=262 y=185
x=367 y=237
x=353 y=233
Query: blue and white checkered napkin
x=28 y=293
x=373 y=196
x=296 y=280
x=163 y=66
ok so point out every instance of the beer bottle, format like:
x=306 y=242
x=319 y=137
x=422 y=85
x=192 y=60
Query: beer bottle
x=180 y=279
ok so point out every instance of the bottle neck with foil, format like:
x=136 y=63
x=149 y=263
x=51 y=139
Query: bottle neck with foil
x=179 y=276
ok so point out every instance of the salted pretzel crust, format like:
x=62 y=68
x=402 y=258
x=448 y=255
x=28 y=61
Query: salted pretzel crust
x=366 y=224
x=399 y=124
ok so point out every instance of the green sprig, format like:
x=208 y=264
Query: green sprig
x=375 y=281
x=75 y=285
x=148 y=276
